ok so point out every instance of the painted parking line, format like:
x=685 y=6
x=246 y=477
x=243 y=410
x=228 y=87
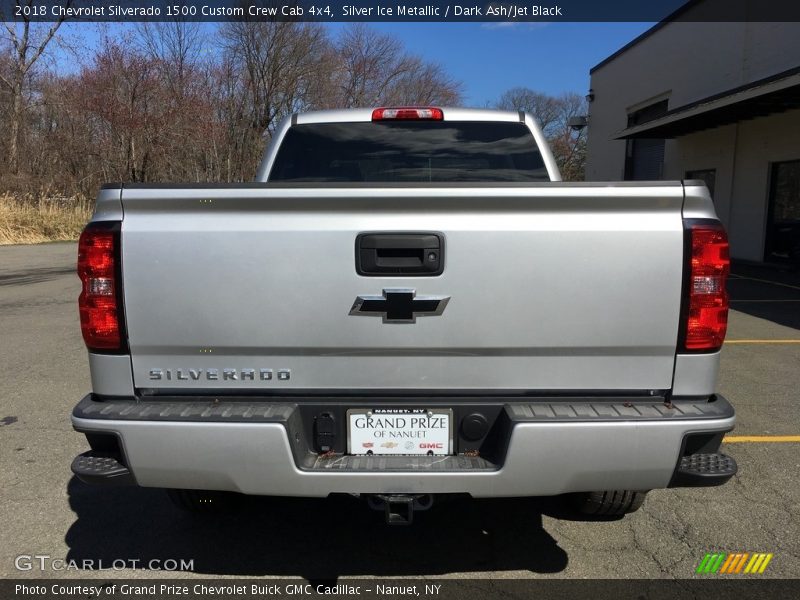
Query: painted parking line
x=762 y=342
x=761 y=439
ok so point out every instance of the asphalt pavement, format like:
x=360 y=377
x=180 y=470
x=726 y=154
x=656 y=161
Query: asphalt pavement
x=44 y=372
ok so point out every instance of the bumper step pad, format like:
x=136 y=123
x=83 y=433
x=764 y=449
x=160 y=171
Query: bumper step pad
x=704 y=470
x=402 y=463
x=95 y=468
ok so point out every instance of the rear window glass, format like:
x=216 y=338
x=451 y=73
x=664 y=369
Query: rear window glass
x=410 y=151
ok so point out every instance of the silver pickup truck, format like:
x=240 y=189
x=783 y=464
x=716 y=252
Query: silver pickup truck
x=407 y=302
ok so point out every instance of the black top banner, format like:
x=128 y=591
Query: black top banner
x=400 y=11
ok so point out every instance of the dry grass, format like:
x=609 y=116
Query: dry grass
x=32 y=220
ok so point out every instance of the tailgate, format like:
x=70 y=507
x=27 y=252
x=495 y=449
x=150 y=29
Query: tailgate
x=550 y=287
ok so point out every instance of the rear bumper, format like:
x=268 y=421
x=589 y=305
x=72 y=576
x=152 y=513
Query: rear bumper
x=540 y=447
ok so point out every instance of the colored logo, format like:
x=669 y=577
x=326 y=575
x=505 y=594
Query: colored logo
x=734 y=563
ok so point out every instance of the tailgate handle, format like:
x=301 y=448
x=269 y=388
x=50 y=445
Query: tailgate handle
x=382 y=254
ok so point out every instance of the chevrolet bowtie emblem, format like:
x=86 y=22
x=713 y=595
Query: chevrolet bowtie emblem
x=399 y=306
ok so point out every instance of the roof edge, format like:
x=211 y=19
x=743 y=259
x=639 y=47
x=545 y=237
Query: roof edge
x=669 y=116
x=673 y=16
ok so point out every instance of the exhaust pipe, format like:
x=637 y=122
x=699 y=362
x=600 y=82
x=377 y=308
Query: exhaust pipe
x=399 y=509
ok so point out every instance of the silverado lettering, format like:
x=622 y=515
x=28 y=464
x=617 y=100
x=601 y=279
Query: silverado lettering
x=227 y=374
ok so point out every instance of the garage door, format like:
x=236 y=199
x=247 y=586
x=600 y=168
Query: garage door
x=644 y=159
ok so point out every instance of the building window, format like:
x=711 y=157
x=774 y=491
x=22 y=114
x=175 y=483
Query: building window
x=783 y=222
x=644 y=158
x=707 y=175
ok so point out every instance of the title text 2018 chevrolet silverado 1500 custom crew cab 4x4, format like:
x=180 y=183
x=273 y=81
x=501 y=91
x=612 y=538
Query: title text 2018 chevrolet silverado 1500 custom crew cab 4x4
x=407 y=302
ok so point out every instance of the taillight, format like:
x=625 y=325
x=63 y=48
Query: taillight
x=707 y=302
x=407 y=113
x=100 y=302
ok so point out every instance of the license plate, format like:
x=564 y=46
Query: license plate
x=400 y=431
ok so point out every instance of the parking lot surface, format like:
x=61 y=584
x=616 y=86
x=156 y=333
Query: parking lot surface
x=44 y=372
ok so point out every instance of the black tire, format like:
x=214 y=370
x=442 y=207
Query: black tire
x=794 y=253
x=201 y=501
x=611 y=503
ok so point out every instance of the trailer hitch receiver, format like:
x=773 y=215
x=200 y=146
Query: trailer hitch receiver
x=399 y=508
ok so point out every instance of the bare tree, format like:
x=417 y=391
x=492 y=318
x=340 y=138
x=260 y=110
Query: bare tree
x=373 y=68
x=268 y=71
x=181 y=55
x=276 y=64
x=177 y=45
x=545 y=109
x=424 y=83
x=553 y=114
x=568 y=144
x=369 y=62
x=125 y=99
x=28 y=44
x=163 y=103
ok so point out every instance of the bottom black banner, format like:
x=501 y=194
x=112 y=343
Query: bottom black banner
x=439 y=589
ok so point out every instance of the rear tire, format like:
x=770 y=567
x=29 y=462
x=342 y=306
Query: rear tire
x=612 y=503
x=201 y=501
x=794 y=253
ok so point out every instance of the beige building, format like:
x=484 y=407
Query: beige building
x=712 y=101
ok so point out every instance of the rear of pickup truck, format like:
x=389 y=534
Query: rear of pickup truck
x=305 y=336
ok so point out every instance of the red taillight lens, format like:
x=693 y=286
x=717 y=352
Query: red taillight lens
x=707 y=318
x=99 y=303
x=407 y=113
